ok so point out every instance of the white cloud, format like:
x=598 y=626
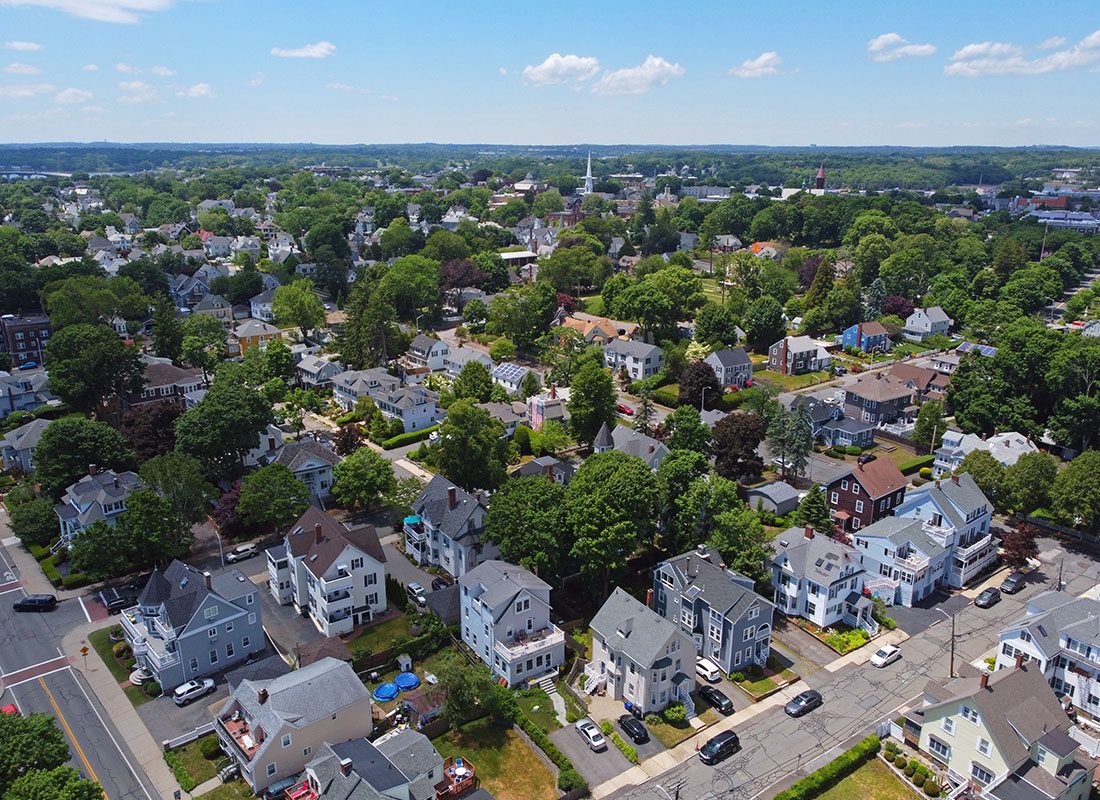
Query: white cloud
x=1051 y=42
x=765 y=64
x=125 y=12
x=1000 y=58
x=654 y=71
x=22 y=47
x=137 y=92
x=163 y=72
x=90 y=68
x=562 y=69
x=16 y=91
x=198 y=90
x=892 y=46
x=15 y=68
x=503 y=70
x=256 y=80
x=389 y=98
x=315 y=50
x=336 y=86
x=72 y=96
x=127 y=69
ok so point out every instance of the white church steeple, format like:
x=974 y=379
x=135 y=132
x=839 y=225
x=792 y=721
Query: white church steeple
x=588 y=176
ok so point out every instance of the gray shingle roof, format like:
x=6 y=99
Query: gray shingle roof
x=181 y=589
x=776 y=491
x=629 y=627
x=502 y=581
x=296 y=454
x=25 y=437
x=722 y=591
x=630 y=347
x=731 y=357
x=901 y=531
x=821 y=558
x=434 y=506
x=603 y=437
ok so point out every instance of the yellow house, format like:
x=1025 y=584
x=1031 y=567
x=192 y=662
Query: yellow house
x=255 y=333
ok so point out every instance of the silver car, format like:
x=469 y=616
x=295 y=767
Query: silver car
x=591 y=734
x=192 y=690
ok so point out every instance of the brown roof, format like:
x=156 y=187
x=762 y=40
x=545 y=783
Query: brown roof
x=880 y=388
x=329 y=647
x=874 y=329
x=426 y=698
x=879 y=476
x=920 y=377
x=320 y=548
x=157 y=374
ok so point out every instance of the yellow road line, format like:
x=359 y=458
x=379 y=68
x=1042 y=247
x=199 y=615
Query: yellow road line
x=72 y=736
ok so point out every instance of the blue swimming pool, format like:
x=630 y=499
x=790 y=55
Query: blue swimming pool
x=406 y=681
x=387 y=691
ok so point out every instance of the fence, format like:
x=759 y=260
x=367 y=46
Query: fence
x=882 y=433
x=187 y=738
x=1087 y=743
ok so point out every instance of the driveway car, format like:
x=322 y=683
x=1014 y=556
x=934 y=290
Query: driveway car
x=717 y=698
x=887 y=654
x=241 y=552
x=439 y=583
x=36 y=602
x=634 y=728
x=804 y=703
x=192 y=690
x=989 y=597
x=115 y=600
x=417 y=594
x=591 y=734
x=1013 y=583
x=707 y=670
x=718 y=747
x=624 y=409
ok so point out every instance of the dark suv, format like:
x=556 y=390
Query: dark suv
x=36 y=602
x=718 y=747
x=634 y=728
x=1013 y=583
x=717 y=698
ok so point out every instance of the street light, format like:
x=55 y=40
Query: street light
x=951 y=668
x=418 y=316
x=221 y=554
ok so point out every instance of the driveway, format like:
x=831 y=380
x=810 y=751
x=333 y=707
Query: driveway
x=399 y=566
x=937 y=607
x=284 y=626
x=803 y=648
x=165 y=720
x=593 y=767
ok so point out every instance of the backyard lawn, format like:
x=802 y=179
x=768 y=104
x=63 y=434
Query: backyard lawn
x=383 y=636
x=872 y=781
x=544 y=717
x=235 y=790
x=789 y=383
x=502 y=760
x=672 y=735
x=101 y=642
x=190 y=761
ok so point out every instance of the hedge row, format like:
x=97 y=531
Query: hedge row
x=667 y=395
x=820 y=781
x=568 y=777
x=914 y=464
x=179 y=771
x=39 y=552
x=627 y=750
x=49 y=564
x=409 y=438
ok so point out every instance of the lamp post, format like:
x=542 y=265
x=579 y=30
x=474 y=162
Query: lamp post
x=221 y=553
x=702 y=398
x=418 y=316
x=951 y=668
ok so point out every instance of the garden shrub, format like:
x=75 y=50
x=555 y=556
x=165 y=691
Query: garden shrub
x=75 y=580
x=40 y=553
x=179 y=771
x=834 y=772
x=210 y=748
x=900 y=762
x=49 y=568
x=675 y=714
x=919 y=779
x=854 y=450
x=914 y=464
x=653 y=719
x=925 y=472
x=569 y=780
x=409 y=438
x=121 y=650
x=931 y=787
x=737 y=677
x=151 y=689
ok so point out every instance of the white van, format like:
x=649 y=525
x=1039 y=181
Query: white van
x=708 y=670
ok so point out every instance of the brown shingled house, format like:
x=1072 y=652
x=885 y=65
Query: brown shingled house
x=866 y=492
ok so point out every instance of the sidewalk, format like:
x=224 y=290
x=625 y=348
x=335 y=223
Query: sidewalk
x=144 y=748
x=30 y=574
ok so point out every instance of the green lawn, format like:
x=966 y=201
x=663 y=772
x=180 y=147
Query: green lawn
x=382 y=636
x=672 y=735
x=190 y=760
x=872 y=781
x=101 y=642
x=502 y=761
x=592 y=304
x=789 y=383
x=758 y=687
x=544 y=717
x=235 y=790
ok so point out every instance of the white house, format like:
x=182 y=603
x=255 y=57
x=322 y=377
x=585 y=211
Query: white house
x=956 y=445
x=311 y=463
x=510 y=376
x=638 y=359
x=925 y=322
x=426 y=352
x=458 y=357
x=98 y=496
x=631 y=442
x=415 y=406
x=260 y=306
x=820 y=579
x=350 y=386
x=316 y=371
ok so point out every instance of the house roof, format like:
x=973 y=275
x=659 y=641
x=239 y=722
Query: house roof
x=25 y=437
x=636 y=443
x=920 y=377
x=955 y=497
x=423 y=342
x=159 y=373
x=542 y=466
x=413 y=754
x=212 y=302
x=501 y=582
x=1050 y=613
x=880 y=388
x=776 y=491
x=723 y=590
x=319 y=549
x=446 y=603
x=874 y=328
x=603 y=437
x=633 y=348
x=902 y=531
x=329 y=647
x=936 y=314
x=848 y=424
x=263 y=670
x=255 y=327
x=819 y=411
x=878 y=476
x=501 y=411
x=296 y=455
x=821 y=558
x=263 y=298
x=629 y=627
x=731 y=357
x=182 y=588
x=800 y=344
x=433 y=504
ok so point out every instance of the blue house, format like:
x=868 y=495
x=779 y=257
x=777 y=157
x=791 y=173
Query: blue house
x=866 y=336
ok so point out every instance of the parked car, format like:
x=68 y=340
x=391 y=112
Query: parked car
x=1013 y=583
x=708 y=670
x=192 y=690
x=839 y=370
x=277 y=791
x=634 y=728
x=623 y=408
x=439 y=583
x=887 y=654
x=241 y=552
x=804 y=703
x=416 y=593
x=988 y=597
x=717 y=698
x=591 y=734
x=36 y=602
x=718 y=747
x=115 y=600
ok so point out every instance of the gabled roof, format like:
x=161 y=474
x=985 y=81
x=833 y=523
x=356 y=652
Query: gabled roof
x=295 y=455
x=878 y=476
x=263 y=298
x=880 y=388
x=318 y=549
x=776 y=491
x=636 y=443
x=955 y=497
x=633 y=348
x=902 y=531
x=501 y=582
x=920 y=377
x=212 y=302
x=255 y=327
x=936 y=314
x=874 y=329
x=821 y=558
x=182 y=588
x=434 y=505
x=725 y=591
x=25 y=437
x=731 y=357
x=424 y=342
x=603 y=437
x=634 y=630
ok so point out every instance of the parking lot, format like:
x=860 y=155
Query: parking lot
x=593 y=767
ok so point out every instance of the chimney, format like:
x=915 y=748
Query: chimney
x=92 y=470
x=270 y=444
x=317 y=533
x=937 y=483
x=553 y=392
x=687 y=566
x=345 y=766
x=1019 y=660
x=206 y=579
x=116 y=481
x=649 y=598
x=809 y=533
x=550 y=471
x=452 y=497
x=262 y=696
x=955 y=479
x=985 y=680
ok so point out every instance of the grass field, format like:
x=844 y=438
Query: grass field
x=190 y=759
x=872 y=781
x=502 y=761
x=789 y=383
x=235 y=790
x=544 y=717
x=101 y=642
x=670 y=735
x=376 y=638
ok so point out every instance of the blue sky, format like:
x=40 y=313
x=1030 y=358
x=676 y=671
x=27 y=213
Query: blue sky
x=775 y=73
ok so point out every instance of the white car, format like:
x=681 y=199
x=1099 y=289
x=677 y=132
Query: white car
x=591 y=734
x=887 y=654
x=192 y=690
x=240 y=553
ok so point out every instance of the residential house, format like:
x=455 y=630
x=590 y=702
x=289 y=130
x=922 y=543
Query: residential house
x=926 y=384
x=731 y=366
x=414 y=406
x=866 y=337
x=866 y=492
x=775 y=497
x=947 y=363
x=599 y=330
x=795 y=355
x=446 y=529
x=268 y=445
x=189 y=624
x=249 y=245
x=641 y=657
x=957 y=515
x=820 y=412
x=216 y=306
x=545 y=407
x=717 y=607
x=820 y=579
x=348 y=387
x=637 y=359
x=163 y=380
x=458 y=357
x=548 y=466
x=335 y=575
x=905 y=563
x=272 y=728
x=317 y=372
x=511 y=376
x=426 y=352
x=848 y=432
x=631 y=442
x=506 y=622
x=311 y=463
x=1003 y=736
x=956 y=445
x=878 y=399
x=505 y=414
x=217 y=246
x=98 y=496
x=255 y=333
x=24 y=337
x=17 y=446
x=925 y=322
x=260 y=306
x=209 y=205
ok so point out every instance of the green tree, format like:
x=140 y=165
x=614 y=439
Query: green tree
x=764 y=323
x=296 y=304
x=530 y=385
x=203 y=342
x=167 y=330
x=736 y=438
x=363 y=479
x=610 y=504
x=70 y=445
x=475 y=314
x=371 y=336
x=59 y=783
x=89 y=363
x=987 y=472
x=472 y=452
x=221 y=429
x=1029 y=482
x=813 y=510
x=930 y=425
x=272 y=498
x=686 y=430
x=412 y=282
x=790 y=439
x=100 y=552
x=35 y=523
x=474 y=382
x=715 y=324
x=699 y=386
x=502 y=349
x=150 y=428
x=180 y=481
x=278 y=361
x=79 y=300
x=591 y=401
x=644 y=414
x=151 y=531
x=523 y=312
x=29 y=743
x=681 y=509
x=1076 y=492
x=739 y=536
x=526 y=520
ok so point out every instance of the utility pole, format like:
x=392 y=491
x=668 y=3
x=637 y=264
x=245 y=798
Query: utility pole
x=1061 y=564
x=951 y=668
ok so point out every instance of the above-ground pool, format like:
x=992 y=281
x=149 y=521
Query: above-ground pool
x=387 y=691
x=406 y=681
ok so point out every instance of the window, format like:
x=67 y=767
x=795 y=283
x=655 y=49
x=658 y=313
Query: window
x=948 y=725
x=249 y=599
x=213 y=656
x=272 y=768
x=372 y=579
x=357 y=563
x=229 y=627
x=834 y=497
x=939 y=748
x=307 y=751
x=212 y=633
x=844 y=485
x=246 y=641
x=286 y=740
x=193 y=665
x=980 y=774
x=859 y=506
x=983 y=746
x=716 y=632
x=372 y=599
x=855 y=487
x=229 y=650
x=750 y=631
x=210 y=613
x=1040 y=755
x=251 y=618
x=971 y=714
x=754 y=612
x=1008 y=649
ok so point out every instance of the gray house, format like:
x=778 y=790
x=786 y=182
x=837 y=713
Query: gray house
x=17 y=446
x=731 y=366
x=401 y=763
x=729 y=622
x=445 y=529
x=189 y=624
x=631 y=442
x=637 y=359
x=776 y=497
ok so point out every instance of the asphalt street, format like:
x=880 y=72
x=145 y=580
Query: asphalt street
x=37 y=677
x=775 y=746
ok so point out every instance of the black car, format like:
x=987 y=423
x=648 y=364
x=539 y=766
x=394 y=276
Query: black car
x=115 y=600
x=719 y=747
x=804 y=703
x=36 y=602
x=439 y=583
x=1013 y=583
x=717 y=698
x=634 y=728
x=988 y=597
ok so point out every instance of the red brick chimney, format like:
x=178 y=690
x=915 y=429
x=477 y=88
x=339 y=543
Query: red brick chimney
x=206 y=579
x=649 y=598
x=955 y=479
x=553 y=392
x=985 y=680
x=809 y=533
x=317 y=533
x=345 y=766
x=262 y=696
x=550 y=471
x=92 y=470
x=1019 y=660
x=452 y=497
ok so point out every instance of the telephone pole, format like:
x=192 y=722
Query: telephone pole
x=951 y=668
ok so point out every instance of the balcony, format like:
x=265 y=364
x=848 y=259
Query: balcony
x=912 y=561
x=155 y=651
x=336 y=597
x=414 y=529
x=242 y=735
x=303 y=791
x=529 y=645
x=459 y=777
x=974 y=549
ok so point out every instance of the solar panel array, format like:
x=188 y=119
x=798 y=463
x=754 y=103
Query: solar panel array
x=984 y=349
x=509 y=372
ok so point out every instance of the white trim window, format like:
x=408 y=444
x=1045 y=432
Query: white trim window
x=984 y=747
x=948 y=725
x=939 y=748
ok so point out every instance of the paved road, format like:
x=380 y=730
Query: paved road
x=36 y=676
x=775 y=746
